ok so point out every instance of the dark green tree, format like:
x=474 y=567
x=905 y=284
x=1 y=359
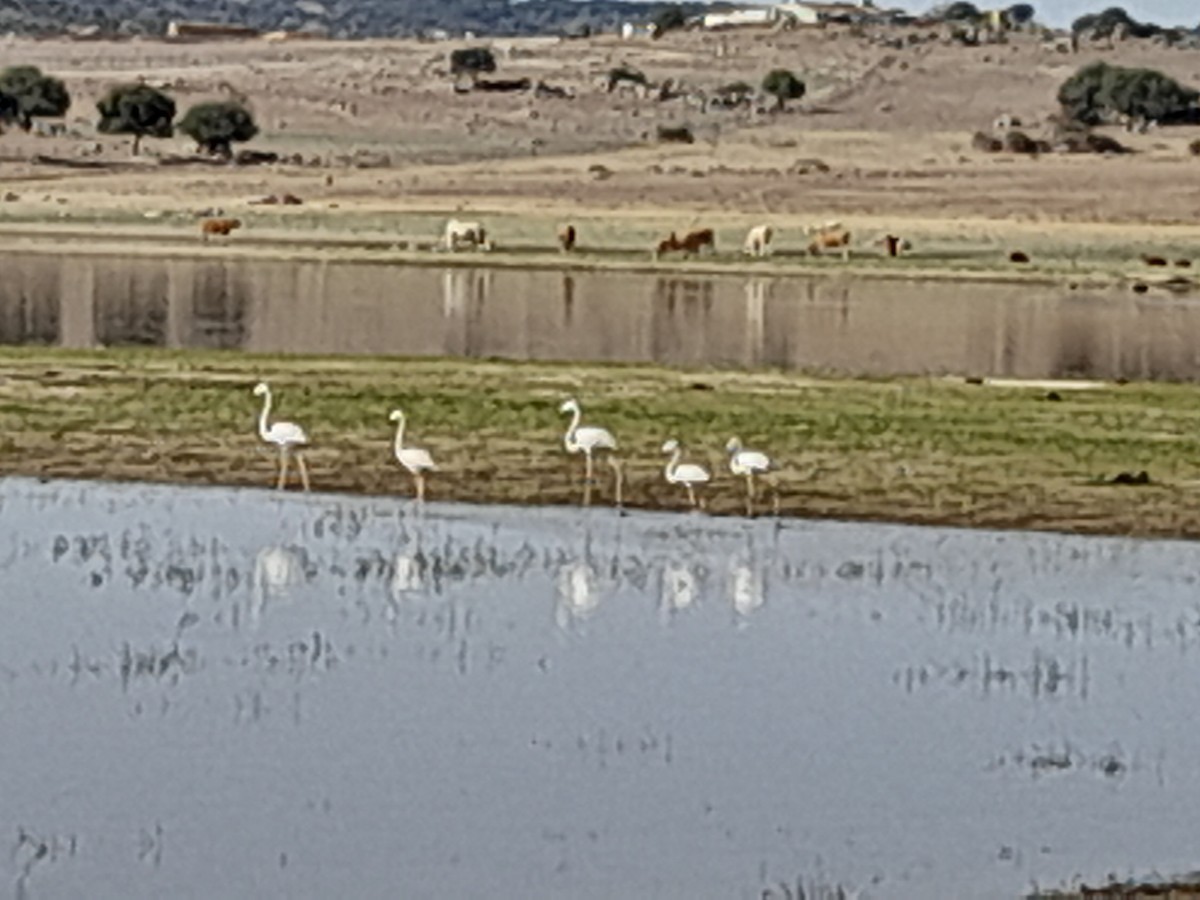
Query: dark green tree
x=215 y=126
x=36 y=94
x=1019 y=14
x=10 y=110
x=783 y=85
x=669 y=18
x=136 y=109
x=1099 y=92
x=961 y=11
x=472 y=61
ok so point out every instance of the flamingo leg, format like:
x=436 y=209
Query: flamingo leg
x=587 y=492
x=420 y=487
x=617 y=480
x=303 y=472
x=691 y=494
x=283 y=467
x=588 y=467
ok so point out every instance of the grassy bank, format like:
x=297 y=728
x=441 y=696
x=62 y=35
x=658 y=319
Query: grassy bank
x=932 y=451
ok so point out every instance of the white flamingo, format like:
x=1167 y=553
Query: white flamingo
x=687 y=474
x=589 y=440
x=416 y=460
x=747 y=463
x=287 y=436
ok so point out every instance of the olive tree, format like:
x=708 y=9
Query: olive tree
x=783 y=85
x=1100 y=92
x=36 y=95
x=136 y=109
x=215 y=126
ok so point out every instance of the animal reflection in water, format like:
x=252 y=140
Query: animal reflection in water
x=408 y=575
x=590 y=441
x=287 y=436
x=414 y=459
x=276 y=571
x=745 y=589
x=576 y=597
x=678 y=591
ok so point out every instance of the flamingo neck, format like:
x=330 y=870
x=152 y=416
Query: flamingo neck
x=399 y=435
x=569 y=437
x=266 y=412
x=673 y=463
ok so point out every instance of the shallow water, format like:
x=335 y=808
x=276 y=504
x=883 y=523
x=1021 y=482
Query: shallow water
x=222 y=693
x=848 y=325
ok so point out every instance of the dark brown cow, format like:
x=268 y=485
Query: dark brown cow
x=1018 y=256
x=218 y=226
x=566 y=238
x=692 y=242
x=1153 y=260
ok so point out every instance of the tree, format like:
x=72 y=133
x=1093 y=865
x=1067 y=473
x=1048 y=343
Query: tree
x=783 y=85
x=669 y=18
x=961 y=11
x=136 y=109
x=1019 y=14
x=36 y=94
x=215 y=126
x=10 y=110
x=1100 y=92
x=472 y=61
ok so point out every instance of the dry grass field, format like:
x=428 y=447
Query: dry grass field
x=374 y=132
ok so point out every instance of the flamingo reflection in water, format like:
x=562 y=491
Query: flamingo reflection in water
x=276 y=571
x=591 y=440
x=678 y=590
x=745 y=589
x=576 y=597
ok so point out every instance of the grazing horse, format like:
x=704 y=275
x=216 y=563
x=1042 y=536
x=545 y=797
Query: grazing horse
x=469 y=234
x=758 y=241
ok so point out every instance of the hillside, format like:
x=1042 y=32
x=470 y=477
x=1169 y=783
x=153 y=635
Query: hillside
x=336 y=18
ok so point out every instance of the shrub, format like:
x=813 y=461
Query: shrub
x=36 y=94
x=1100 y=92
x=1106 y=23
x=625 y=73
x=472 y=61
x=1019 y=14
x=783 y=85
x=669 y=18
x=961 y=11
x=679 y=135
x=215 y=126
x=136 y=109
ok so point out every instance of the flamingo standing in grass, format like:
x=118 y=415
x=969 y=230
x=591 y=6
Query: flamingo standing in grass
x=416 y=460
x=747 y=463
x=687 y=474
x=589 y=440
x=287 y=436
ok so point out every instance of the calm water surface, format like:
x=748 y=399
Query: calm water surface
x=848 y=325
x=215 y=693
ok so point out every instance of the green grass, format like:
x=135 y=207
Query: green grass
x=919 y=450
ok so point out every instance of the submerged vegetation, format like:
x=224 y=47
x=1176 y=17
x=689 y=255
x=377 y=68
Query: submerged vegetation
x=914 y=450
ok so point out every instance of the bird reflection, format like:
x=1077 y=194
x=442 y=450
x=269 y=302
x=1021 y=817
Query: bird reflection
x=745 y=589
x=678 y=589
x=408 y=575
x=276 y=571
x=576 y=595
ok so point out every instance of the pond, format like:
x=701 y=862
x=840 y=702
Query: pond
x=841 y=324
x=213 y=692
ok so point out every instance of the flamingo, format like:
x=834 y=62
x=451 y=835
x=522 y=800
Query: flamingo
x=688 y=474
x=747 y=463
x=589 y=440
x=416 y=460
x=287 y=436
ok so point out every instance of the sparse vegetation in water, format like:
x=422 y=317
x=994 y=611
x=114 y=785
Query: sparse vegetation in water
x=913 y=450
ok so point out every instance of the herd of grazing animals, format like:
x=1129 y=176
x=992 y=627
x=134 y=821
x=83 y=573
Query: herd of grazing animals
x=591 y=441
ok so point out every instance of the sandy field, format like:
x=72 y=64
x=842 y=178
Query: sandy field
x=378 y=142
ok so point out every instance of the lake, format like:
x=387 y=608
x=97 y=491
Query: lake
x=840 y=324
x=229 y=693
